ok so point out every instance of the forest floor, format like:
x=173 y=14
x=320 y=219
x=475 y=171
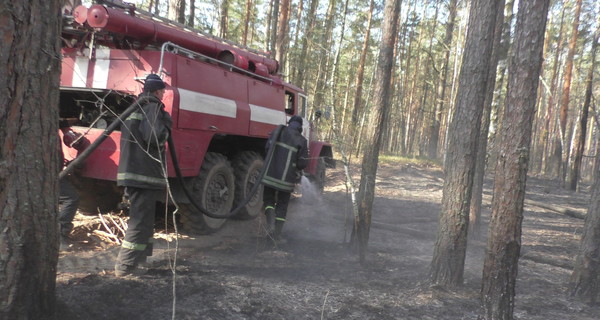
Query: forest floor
x=237 y=273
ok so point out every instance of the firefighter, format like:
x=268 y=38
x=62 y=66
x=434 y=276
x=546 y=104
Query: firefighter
x=69 y=196
x=283 y=172
x=142 y=172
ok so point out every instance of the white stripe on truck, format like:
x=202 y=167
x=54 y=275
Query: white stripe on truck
x=204 y=103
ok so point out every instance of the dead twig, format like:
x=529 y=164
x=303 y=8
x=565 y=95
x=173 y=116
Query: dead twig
x=107 y=236
x=116 y=224
x=108 y=229
x=324 y=302
x=123 y=224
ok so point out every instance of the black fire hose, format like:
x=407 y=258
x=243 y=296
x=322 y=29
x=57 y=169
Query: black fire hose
x=114 y=125
x=272 y=139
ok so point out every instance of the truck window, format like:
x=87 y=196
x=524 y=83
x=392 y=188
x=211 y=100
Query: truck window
x=289 y=103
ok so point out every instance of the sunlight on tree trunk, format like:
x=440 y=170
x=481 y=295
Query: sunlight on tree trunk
x=566 y=91
x=480 y=160
x=29 y=80
x=377 y=122
x=450 y=248
x=585 y=280
x=504 y=235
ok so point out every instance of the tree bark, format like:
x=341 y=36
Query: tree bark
x=480 y=161
x=224 y=19
x=377 y=122
x=550 y=163
x=567 y=78
x=29 y=82
x=274 y=18
x=325 y=48
x=177 y=10
x=450 y=248
x=282 y=36
x=504 y=236
x=247 y=22
x=306 y=41
x=441 y=88
x=192 y=17
x=360 y=68
x=581 y=124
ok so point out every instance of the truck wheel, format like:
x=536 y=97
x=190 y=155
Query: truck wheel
x=97 y=195
x=247 y=166
x=213 y=188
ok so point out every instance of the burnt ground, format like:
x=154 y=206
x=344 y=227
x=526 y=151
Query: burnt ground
x=239 y=274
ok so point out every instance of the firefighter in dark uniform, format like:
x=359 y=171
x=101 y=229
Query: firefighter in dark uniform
x=289 y=158
x=69 y=196
x=142 y=172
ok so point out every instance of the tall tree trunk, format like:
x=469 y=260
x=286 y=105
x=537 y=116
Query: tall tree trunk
x=176 y=10
x=274 y=28
x=181 y=12
x=306 y=41
x=500 y=90
x=325 y=48
x=247 y=22
x=441 y=89
x=224 y=19
x=504 y=240
x=550 y=164
x=192 y=17
x=377 y=123
x=450 y=248
x=29 y=81
x=581 y=125
x=282 y=33
x=585 y=279
x=477 y=194
x=567 y=78
x=360 y=68
x=156 y=5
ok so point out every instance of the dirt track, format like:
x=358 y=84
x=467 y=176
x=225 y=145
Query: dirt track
x=239 y=274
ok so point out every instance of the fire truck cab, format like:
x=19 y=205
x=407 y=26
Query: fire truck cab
x=225 y=100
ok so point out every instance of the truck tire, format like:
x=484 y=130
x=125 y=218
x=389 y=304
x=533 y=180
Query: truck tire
x=214 y=189
x=247 y=166
x=96 y=195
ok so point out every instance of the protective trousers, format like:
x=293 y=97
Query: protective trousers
x=279 y=200
x=140 y=228
x=69 y=200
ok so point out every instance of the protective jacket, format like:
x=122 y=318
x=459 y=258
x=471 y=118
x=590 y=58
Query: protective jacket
x=143 y=137
x=290 y=156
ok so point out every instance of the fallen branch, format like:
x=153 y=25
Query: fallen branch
x=123 y=224
x=562 y=210
x=107 y=236
x=116 y=224
x=109 y=231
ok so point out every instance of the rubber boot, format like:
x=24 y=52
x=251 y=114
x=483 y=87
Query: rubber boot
x=278 y=228
x=270 y=213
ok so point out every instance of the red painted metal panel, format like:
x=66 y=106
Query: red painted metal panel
x=103 y=162
x=269 y=96
x=68 y=65
x=205 y=81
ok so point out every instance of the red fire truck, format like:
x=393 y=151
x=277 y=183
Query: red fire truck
x=224 y=99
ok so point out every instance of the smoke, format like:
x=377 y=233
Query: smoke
x=317 y=216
